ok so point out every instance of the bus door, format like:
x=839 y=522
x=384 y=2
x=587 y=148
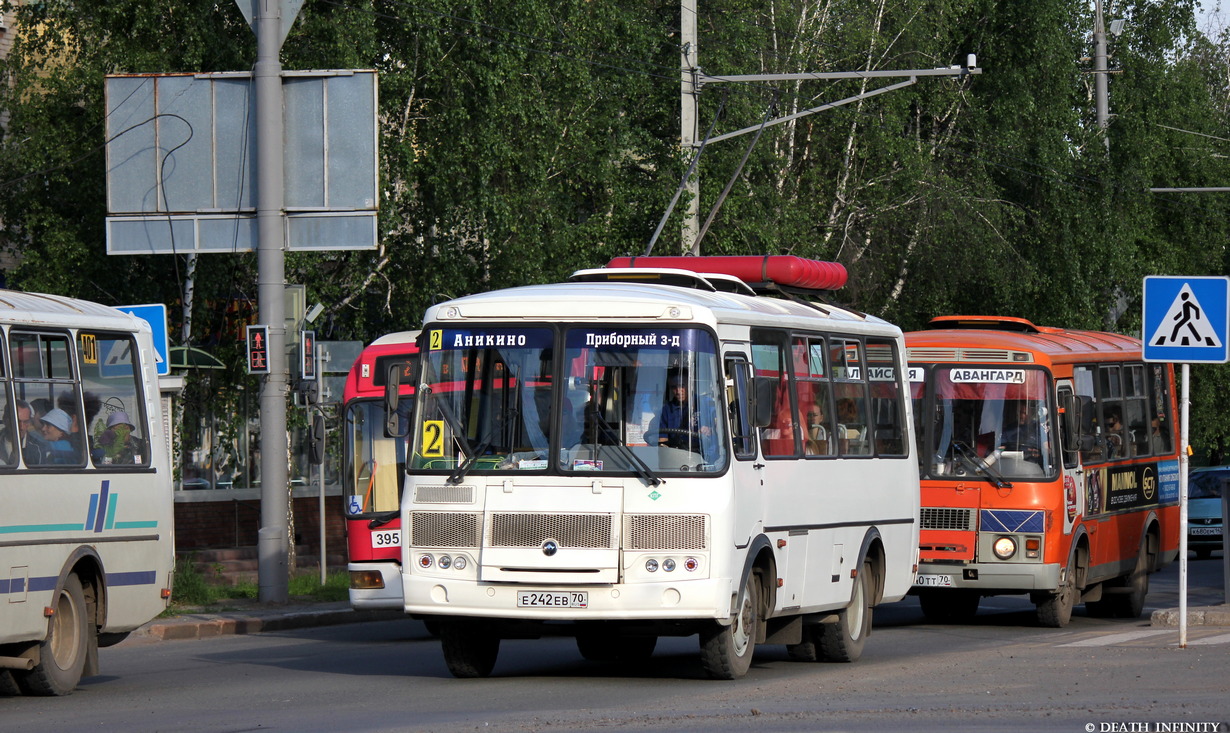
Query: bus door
x=747 y=472
x=1073 y=473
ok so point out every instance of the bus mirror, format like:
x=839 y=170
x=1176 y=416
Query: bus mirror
x=316 y=440
x=764 y=397
x=1070 y=409
x=392 y=394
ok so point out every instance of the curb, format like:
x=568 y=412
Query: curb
x=1197 y=616
x=212 y=625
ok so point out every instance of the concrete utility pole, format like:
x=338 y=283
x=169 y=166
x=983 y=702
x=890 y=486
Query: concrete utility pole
x=273 y=545
x=1101 y=104
x=689 y=97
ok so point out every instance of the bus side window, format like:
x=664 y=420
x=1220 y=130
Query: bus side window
x=737 y=396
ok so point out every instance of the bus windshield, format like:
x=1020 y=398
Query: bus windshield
x=989 y=422
x=376 y=463
x=633 y=400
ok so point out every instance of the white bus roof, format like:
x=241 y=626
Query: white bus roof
x=640 y=301
x=56 y=310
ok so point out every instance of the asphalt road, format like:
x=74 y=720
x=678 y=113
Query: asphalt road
x=999 y=673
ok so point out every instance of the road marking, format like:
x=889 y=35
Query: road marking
x=1119 y=638
x=1220 y=639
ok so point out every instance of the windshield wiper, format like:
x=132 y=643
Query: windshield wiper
x=641 y=468
x=970 y=456
x=496 y=428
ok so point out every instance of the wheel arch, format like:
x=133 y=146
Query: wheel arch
x=872 y=549
x=87 y=565
x=760 y=558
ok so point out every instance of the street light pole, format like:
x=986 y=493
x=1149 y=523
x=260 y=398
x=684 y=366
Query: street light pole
x=273 y=544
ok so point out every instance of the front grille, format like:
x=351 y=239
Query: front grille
x=531 y=530
x=444 y=529
x=935 y=518
x=666 y=532
x=444 y=494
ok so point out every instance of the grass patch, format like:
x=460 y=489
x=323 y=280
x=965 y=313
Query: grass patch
x=196 y=589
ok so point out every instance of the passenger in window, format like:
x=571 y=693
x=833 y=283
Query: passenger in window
x=33 y=446
x=68 y=403
x=117 y=445
x=1114 y=434
x=1159 y=440
x=56 y=429
x=817 y=443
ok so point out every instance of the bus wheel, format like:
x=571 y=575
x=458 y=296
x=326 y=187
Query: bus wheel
x=469 y=650
x=616 y=648
x=955 y=606
x=1054 y=610
x=1130 y=602
x=844 y=640
x=63 y=652
x=806 y=650
x=726 y=651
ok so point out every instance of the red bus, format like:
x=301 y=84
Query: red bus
x=1049 y=466
x=374 y=470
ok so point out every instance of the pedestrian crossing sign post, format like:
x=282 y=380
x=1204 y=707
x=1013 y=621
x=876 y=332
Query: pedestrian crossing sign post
x=1185 y=319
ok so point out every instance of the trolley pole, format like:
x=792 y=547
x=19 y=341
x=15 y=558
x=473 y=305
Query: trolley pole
x=273 y=545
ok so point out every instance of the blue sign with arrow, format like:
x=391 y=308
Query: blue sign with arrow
x=155 y=315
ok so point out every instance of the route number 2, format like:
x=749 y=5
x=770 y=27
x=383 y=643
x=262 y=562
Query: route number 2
x=433 y=439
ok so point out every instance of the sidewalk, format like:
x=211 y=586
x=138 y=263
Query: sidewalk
x=1196 y=616
x=247 y=616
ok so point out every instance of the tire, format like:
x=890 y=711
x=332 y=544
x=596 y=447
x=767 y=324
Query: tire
x=616 y=648
x=470 y=650
x=726 y=651
x=63 y=653
x=844 y=640
x=806 y=650
x=8 y=685
x=1132 y=603
x=1054 y=610
x=956 y=606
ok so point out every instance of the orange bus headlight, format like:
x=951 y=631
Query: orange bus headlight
x=1033 y=548
x=366 y=580
x=1004 y=548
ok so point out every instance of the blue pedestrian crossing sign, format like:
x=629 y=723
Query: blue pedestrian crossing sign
x=1186 y=318
x=155 y=314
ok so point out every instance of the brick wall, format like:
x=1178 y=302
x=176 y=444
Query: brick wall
x=236 y=523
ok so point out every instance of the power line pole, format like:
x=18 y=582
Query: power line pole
x=1101 y=103
x=688 y=102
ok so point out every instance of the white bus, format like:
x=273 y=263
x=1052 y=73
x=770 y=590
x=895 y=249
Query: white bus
x=553 y=487
x=86 y=513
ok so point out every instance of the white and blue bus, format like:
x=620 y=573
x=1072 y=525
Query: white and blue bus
x=660 y=448
x=86 y=512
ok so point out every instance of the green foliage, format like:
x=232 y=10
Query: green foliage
x=522 y=140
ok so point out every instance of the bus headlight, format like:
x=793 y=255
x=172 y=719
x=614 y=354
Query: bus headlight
x=1004 y=548
x=426 y=561
x=651 y=565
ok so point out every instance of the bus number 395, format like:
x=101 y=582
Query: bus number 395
x=386 y=538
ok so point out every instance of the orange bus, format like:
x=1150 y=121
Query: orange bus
x=1049 y=466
